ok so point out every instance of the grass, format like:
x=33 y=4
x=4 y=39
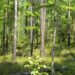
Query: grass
x=63 y=58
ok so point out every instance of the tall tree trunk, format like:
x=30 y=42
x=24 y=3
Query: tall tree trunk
x=15 y=28
x=73 y=18
x=26 y=20
x=54 y=42
x=4 y=35
x=69 y=16
x=31 y=32
x=37 y=38
x=8 y=14
x=36 y=31
x=42 y=27
x=54 y=38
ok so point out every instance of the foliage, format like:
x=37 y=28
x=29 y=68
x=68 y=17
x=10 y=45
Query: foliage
x=35 y=65
x=65 y=24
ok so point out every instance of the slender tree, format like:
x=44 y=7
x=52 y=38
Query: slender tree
x=54 y=42
x=73 y=18
x=69 y=17
x=4 y=34
x=54 y=39
x=42 y=27
x=5 y=30
x=31 y=32
x=15 y=28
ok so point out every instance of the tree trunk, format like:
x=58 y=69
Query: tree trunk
x=54 y=42
x=42 y=28
x=31 y=32
x=69 y=16
x=15 y=28
x=4 y=37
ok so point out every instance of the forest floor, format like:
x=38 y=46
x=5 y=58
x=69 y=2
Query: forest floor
x=64 y=63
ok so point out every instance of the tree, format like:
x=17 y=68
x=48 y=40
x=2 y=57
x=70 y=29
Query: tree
x=5 y=30
x=54 y=37
x=31 y=32
x=42 y=27
x=15 y=30
x=69 y=18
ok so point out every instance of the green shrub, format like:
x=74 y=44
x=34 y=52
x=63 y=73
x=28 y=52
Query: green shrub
x=34 y=64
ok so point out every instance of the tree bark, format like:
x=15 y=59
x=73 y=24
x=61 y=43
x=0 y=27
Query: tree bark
x=31 y=32
x=54 y=42
x=15 y=29
x=4 y=37
x=42 y=27
x=69 y=16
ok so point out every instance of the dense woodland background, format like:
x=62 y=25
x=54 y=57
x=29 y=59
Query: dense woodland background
x=37 y=37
